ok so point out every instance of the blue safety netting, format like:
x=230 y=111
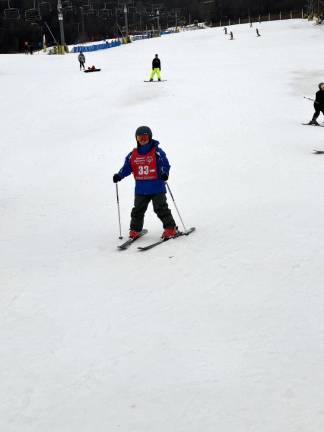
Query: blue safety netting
x=87 y=48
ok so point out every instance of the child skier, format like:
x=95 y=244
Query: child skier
x=156 y=68
x=318 y=104
x=150 y=168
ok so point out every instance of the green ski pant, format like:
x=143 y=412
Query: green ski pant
x=157 y=72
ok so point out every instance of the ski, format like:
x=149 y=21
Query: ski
x=180 y=233
x=318 y=151
x=127 y=243
x=155 y=81
x=307 y=124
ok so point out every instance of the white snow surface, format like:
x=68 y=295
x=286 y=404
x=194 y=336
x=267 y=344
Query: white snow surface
x=219 y=331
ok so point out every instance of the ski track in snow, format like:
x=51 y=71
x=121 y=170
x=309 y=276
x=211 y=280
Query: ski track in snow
x=222 y=330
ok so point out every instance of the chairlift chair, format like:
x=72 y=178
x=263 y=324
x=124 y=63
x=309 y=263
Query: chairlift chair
x=45 y=8
x=87 y=8
x=11 y=13
x=32 y=14
x=104 y=12
x=67 y=6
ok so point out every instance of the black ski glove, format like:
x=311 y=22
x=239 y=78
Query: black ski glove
x=116 y=178
x=164 y=176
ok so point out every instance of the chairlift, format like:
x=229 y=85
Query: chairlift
x=11 y=13
x=88 y=10
x=32 y=14
x=45 y=8
x=104 y=12
x=67 y=4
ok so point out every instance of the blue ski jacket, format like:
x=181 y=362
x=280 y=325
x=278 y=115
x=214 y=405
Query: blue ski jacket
x=148 y=187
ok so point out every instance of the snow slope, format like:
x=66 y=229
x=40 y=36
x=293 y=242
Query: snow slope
x=220 y=331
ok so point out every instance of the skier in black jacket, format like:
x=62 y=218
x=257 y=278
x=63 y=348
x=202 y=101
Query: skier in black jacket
x=156 y=68
x=81 y=59
x=318 y=104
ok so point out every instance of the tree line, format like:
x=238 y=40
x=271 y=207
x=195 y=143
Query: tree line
x=86 y=20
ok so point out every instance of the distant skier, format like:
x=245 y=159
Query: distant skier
x=318 y=104
x=231 y=36
x=150 y=168
x=225 y=30
x=156 y=68
x=81 y=59
x=257 y=32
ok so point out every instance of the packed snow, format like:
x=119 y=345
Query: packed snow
x=222 y=330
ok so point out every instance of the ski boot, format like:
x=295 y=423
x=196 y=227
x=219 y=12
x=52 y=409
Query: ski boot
x=313 y=122
x=134 y=234
x=169 y=233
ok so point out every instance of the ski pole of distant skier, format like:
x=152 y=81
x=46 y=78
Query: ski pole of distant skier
x=313 y=100
x=117 y=196
x=175 y=205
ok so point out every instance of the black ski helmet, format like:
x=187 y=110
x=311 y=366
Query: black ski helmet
x=143 y=130
x=320 y=85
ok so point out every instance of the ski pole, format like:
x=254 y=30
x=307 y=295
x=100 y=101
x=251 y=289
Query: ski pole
x=175 y=205
x=313 y=100
x=117 y=195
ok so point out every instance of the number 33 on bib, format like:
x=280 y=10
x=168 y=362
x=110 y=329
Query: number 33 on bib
x=144 y=167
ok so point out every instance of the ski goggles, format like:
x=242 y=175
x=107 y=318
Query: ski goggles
x=143 y=139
